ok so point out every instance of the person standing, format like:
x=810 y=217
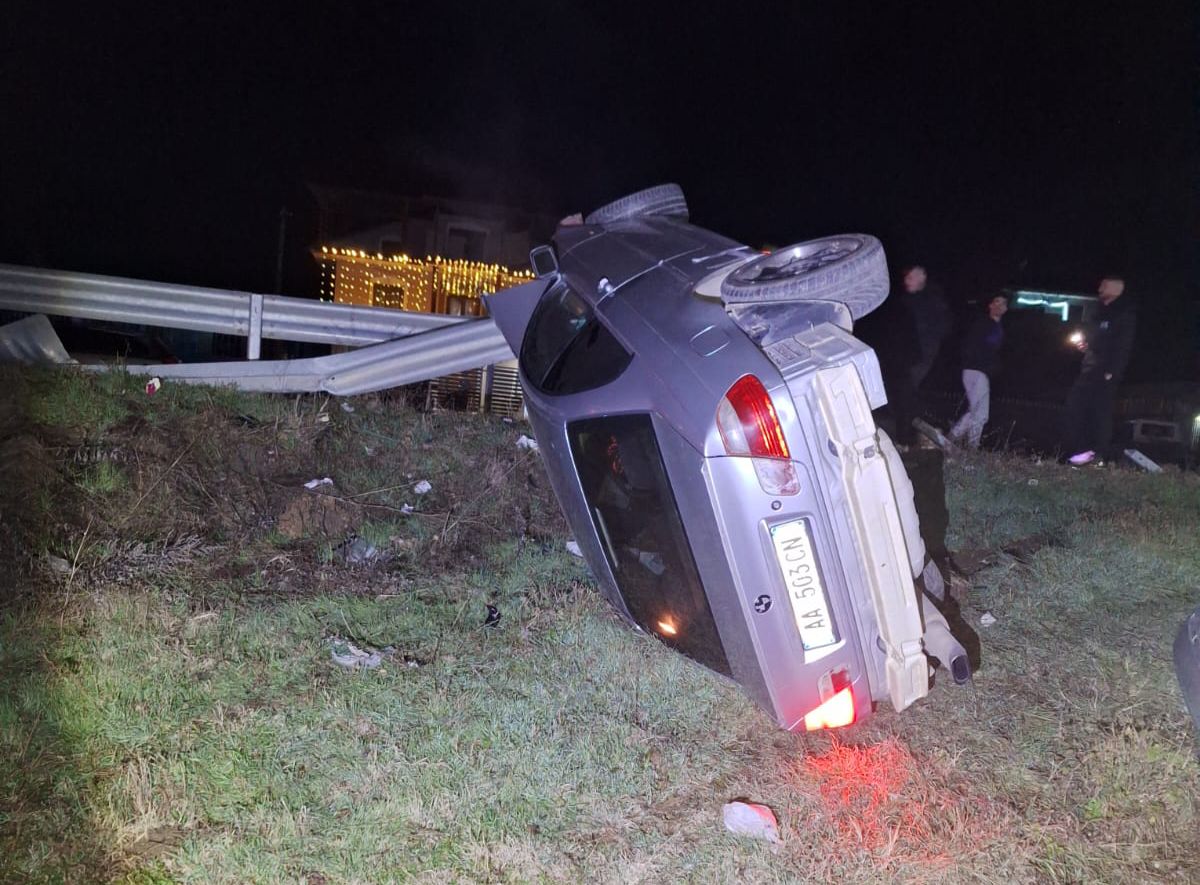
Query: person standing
x=891 y=331
x=1106 y=343
x=927 y=304
x=980 y=358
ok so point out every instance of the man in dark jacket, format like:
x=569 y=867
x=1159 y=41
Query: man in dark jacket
x=980 y=358
x=1106 y=344
x=892 y=331
x=931 y=314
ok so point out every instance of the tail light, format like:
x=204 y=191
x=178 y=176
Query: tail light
x=836 y=712
x=750 y=428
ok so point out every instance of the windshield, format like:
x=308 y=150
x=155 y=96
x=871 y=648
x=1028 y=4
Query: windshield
x=566 y=348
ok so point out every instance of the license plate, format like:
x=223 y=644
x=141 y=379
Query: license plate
x=810 y=607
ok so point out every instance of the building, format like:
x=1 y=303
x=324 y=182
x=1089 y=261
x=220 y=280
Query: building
x=430 y=285
x=391 y=224
x=353 y=275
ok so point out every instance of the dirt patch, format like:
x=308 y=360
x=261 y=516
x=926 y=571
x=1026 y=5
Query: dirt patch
x=317 y=516
x=173 y=478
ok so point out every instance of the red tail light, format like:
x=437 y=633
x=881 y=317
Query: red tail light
x=748 y=423
x=836 y=712
x=750 y=427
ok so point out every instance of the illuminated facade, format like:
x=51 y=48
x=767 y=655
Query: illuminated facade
x=429 y=285
x=369 y=240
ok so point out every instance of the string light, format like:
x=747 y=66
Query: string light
x=351 y=276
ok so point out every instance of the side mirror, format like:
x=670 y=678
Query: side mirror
x=543 y=261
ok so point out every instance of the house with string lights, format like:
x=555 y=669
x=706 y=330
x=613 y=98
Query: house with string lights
x=433 y=256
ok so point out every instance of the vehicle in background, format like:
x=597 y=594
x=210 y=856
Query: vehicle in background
x=704 y=413
x=1164 y=442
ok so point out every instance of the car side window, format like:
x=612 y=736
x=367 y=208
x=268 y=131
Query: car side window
x=567 y=349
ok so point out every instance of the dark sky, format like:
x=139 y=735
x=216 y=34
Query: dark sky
x=996 y=142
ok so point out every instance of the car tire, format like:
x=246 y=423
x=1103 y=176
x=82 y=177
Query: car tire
x=664 y=200
x=850 y=269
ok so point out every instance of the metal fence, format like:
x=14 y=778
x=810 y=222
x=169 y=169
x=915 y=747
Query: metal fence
x=394 y=347
x=248 y=314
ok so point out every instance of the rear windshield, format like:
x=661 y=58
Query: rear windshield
x=638 y=522
x=567 y=349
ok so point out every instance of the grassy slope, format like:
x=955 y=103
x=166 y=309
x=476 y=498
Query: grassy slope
x=169 y=711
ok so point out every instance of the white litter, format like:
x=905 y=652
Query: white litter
x=359 y=551
x=153 y=386
x=987 y=619
x=748 y=819
x=1033 y=482
x=315 y=483
x=347 y=654
x=1142 y=461
x=573 y=548
x=57 y=564
x=406 y=509
x=422 y=488
x=323 y=418
x=370 y=450
x=346 y=407
x=526 y=443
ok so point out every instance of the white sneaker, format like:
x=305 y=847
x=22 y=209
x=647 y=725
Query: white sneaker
x=1081 y=458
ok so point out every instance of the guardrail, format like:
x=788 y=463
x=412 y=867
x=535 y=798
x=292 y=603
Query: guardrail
x=457 y=348
x=248 y=314
x=397 y=347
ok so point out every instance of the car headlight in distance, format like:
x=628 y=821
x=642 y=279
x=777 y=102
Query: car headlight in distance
x=750 y=427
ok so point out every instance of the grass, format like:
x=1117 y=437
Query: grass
x=169 y=710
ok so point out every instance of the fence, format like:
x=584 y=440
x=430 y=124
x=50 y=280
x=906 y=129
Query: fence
x=395 y=347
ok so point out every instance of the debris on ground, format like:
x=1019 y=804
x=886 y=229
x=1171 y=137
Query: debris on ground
x=525 y=442
x=57 y=564
x=153 y=386
x=493 y=616
x=347 y=408
x=934 y=435
x=1033 y=482
x=750 y=819
x=424 y=487
x=346 y=654
x=358 y=551
x=987 y=619
x=317 y=483
x=573 y=548
x=406 y=509
x=1145 y=463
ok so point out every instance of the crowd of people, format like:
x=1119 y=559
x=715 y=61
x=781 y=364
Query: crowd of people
x=912 y=327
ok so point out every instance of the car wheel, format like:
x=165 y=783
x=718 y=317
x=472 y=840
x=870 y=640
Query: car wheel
x=850 y=269
x=665 y=199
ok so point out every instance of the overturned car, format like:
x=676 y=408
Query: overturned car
x=704 y=413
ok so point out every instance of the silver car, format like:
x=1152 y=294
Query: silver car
x=704 y=414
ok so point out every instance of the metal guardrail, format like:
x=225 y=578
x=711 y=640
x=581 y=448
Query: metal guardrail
x=401 y=348
x=457 y=348
x=32 y=340
x=253 y=316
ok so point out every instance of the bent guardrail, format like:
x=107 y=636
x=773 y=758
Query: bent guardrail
x=248 y=314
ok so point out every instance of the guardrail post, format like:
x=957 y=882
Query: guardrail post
x=254 y=339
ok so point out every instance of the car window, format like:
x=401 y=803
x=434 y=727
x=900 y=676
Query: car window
x=637 y=519
x=567 y=349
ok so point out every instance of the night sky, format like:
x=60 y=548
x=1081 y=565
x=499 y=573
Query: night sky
x=997 y=143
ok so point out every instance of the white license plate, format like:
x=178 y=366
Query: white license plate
x=810 y=607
